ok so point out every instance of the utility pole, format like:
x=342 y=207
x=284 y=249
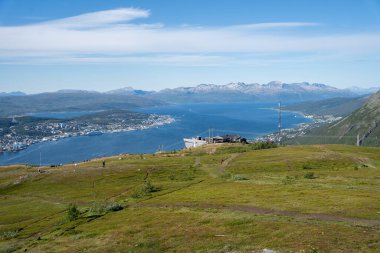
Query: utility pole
x=279 y=117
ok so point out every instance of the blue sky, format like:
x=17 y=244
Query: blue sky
x=48 y=45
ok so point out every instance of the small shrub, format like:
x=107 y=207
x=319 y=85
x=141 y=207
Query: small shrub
x=145 y=189
x=73 y=212
x=113 y=207
x=97 y=209
x=101 y=209
x=309 y=175
x=149 y=187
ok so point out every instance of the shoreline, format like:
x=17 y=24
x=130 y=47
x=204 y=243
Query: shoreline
x=13 y=157
x=164 y=120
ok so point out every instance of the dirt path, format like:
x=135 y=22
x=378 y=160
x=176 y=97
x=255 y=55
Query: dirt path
x=260 y=210
x=225 y=163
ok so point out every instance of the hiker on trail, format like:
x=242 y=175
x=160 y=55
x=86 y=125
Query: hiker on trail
x=104 y=163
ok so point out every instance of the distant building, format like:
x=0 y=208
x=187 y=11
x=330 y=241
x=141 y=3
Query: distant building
x=224 y=138
x=231 y=138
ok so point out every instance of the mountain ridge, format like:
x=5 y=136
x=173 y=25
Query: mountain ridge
x=240 y=91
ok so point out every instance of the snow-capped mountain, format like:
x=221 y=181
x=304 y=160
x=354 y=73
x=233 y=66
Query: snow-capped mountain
x=272 y=91
x=270 y=87
x=239 y=91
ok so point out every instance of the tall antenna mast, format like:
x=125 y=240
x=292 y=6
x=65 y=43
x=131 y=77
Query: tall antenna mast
x=279 y=117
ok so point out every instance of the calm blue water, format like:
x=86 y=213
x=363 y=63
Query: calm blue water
x=246 y=119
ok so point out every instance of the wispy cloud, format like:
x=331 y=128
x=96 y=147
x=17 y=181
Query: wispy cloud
x=100 y=18
x=81 y=39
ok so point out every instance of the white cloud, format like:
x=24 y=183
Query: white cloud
x=109 y=33
x=100 y=18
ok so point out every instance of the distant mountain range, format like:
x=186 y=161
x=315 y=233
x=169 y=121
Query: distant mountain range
x=16 y=103
x=71 y=101
x=233 y=92
x=362 y=125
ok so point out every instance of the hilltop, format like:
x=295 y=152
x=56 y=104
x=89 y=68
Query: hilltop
x=360 y=126
x=217 y=198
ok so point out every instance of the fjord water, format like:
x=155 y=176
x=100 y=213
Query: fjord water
x=249 y=120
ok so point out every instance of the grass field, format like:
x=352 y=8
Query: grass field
x=228 y=198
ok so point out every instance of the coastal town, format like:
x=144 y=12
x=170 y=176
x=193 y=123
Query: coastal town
x=300 y=129
x=18 y=133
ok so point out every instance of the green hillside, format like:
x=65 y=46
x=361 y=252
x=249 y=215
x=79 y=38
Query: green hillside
x=341 y=106
x=364 y=122
x=220 y=198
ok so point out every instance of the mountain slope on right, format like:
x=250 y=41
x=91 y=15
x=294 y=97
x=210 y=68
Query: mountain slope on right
x=362 y=127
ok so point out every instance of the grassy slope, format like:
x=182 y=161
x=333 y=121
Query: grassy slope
x=202 y=203
x=332 y=106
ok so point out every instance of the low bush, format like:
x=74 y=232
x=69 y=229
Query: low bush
x=73 y=212
x=113 y=207
x=101 y=209
x=145 y=189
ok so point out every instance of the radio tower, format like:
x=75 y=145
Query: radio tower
x=279 y=117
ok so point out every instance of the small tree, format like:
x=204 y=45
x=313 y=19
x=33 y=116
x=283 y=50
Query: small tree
x=73 y=212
